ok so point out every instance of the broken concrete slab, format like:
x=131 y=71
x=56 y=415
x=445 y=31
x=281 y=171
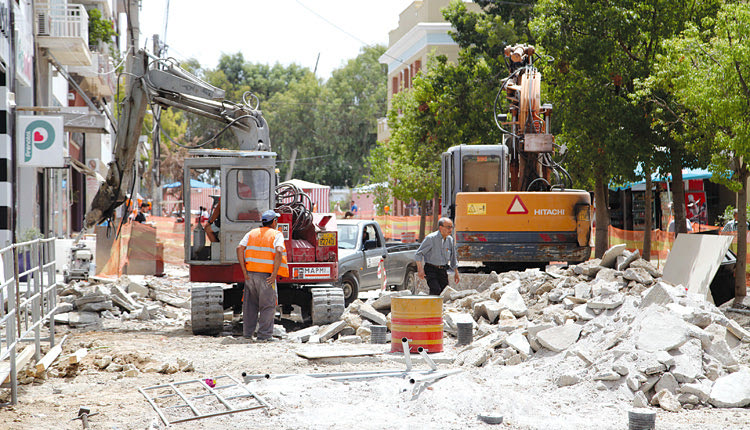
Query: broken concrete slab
x=567 y=379
x=688 y=361
x=660 y=294
x=583 y=313
x=588 y=268
x=638 y=275
x=661 y=330
x=700 y=390
x=327 y=332
x=303 y=335
x=701 y=253
x=384 y=301
x=559 y=338
x=610 y=256
x=519 y=342
x=736 y=329
x=532 y=330
x=627 y=257
x=603 y=302
x=582 y=290
x=667 y=401
x=640 y=400
x=513 y=301
x=647 y=266
x=719 y=349
x=667 y=382
x=731 y=391
x=368 y=312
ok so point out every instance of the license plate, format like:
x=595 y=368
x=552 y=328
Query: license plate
x=327 y=239
x=311 y=272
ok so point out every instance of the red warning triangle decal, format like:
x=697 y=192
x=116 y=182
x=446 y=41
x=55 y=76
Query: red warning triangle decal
x=517 y=207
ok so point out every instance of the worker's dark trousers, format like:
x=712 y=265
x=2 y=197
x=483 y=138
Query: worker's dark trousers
x=437 y=279
x=259 y=299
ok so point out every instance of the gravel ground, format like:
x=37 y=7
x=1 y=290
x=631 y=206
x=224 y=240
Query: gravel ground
x=525 y=395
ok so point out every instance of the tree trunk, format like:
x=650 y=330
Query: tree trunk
x=678 y=197
x=740 y=290
x=601 y=238
x=649 y=215
x=422 y=219
x=292 y=159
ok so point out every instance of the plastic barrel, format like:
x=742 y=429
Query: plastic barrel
x=378 y=334
x=418 y=318
x=465 y=333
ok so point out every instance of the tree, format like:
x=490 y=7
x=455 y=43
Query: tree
x=708 y=70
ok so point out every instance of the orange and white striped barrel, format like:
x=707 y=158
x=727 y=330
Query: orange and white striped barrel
x=418 y=318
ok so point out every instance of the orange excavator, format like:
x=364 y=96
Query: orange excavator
x=512 y=203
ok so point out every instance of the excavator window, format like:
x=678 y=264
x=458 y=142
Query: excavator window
x=481 y=173
x=251 y=189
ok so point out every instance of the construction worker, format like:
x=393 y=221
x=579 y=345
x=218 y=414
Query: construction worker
x=262 y=256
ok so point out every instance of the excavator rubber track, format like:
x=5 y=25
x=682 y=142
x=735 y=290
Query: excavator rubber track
x=207 y=310
x=327 y=305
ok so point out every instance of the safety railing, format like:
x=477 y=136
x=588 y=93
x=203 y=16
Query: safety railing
x=61 y=20
x=28 y=298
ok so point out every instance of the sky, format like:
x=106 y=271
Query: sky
x=271 y=31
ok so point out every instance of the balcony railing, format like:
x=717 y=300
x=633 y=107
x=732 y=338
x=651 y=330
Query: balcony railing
x=64 y=30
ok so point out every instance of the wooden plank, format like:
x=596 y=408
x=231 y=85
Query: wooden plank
x=48 y=358
x=21 y=360
x=77 y=356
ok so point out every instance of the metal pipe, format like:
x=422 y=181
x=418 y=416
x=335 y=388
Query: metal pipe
x=427 y=358
x=407 y=355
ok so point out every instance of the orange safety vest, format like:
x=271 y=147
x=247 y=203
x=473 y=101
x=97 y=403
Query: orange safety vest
x=260 y=253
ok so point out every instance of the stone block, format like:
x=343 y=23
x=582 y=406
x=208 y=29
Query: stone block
x=519 y=342
x=731 y=391
x=559 y=338
x=660 y=330
x=610 y=256
x=384 y=301
x=667 y=401
x=667 y=382
x=368 y=312
x=513 y=301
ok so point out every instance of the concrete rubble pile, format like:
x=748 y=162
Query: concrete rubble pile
x=84 y=305
x=612 y=323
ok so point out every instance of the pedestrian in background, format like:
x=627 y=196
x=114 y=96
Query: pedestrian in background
x=436 y=255
x=262 y=256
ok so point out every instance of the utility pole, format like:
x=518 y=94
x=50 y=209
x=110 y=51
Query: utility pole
x=155 y=137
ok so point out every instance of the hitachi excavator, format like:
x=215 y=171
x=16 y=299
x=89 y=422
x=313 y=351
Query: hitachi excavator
x=249 y=186
x=511 y=202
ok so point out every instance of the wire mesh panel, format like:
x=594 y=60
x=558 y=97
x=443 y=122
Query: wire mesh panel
x=178 y=402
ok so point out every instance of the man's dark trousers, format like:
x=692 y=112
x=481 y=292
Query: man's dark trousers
x=437 y=278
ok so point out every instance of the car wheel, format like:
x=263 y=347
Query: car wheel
x=350 y=285
x=410 y=282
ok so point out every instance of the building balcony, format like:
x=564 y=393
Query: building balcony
x=98 y=79
x=64 y=30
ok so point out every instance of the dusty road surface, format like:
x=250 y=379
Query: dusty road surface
x=163 y=350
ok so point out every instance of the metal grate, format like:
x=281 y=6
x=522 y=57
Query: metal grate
x=195 y=399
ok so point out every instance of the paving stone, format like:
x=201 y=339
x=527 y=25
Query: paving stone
x=368 y=312
x=660 y=330
x=384 y=301
x=688 y=361
x=559 y=338
x=731 y=391
x=519 y=343
x=668 y=382
x=532 y=331
x=610 y=256
x=648 y=266
x=638 y=275
x=640 y=400
x=612 y=301
x=566 y=380
x=667 y=401
x=513 y=301
x=627 y=257
x=660 y=294
x=582 y=290
x=588 y=268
